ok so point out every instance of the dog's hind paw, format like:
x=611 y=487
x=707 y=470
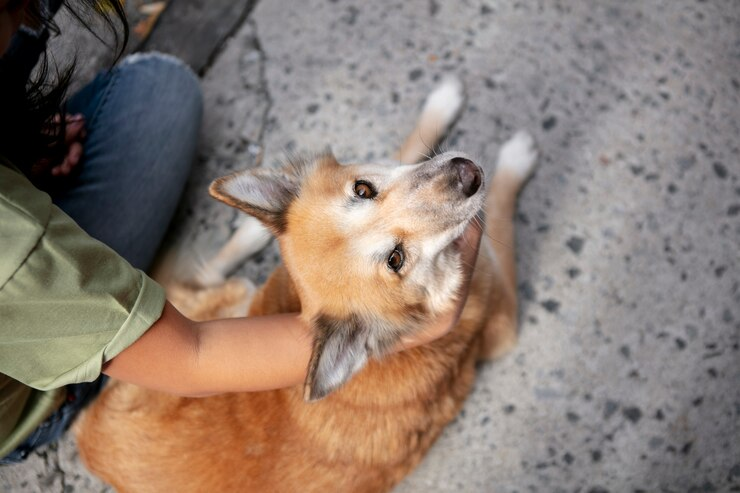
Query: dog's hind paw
x=249 y=238
x=207 y=276
x=518 y=155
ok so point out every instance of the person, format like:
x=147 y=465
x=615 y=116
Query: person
x=87 y=189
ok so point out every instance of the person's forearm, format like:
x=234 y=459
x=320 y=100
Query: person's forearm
x=179 y=356
x=271 y=352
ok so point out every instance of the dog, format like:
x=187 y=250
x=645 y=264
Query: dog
x=369 y=255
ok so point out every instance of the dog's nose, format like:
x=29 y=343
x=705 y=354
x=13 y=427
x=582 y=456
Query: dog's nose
x=469 y=175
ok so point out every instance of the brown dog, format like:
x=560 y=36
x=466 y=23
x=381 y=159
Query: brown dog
x=369 y=256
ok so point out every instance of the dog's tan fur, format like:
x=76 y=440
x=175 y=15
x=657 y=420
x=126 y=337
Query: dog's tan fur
x=363 y=438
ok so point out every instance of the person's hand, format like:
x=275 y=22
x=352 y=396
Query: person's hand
x=468 y=243
x=61 y=162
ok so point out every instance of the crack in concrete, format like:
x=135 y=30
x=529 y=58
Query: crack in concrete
x=62 y=475
x=257 y=147
x=50 y=457
x=259 y=85
x=265 y=87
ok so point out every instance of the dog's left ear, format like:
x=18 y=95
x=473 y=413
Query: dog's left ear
x=341 y=348
x=262 y=193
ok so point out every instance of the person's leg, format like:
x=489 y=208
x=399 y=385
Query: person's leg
x=78 y=397
x=142 y=120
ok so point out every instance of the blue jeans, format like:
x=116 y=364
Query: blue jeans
x=142 y=119
x=78 y=396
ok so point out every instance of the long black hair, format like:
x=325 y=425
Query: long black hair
x=30 y=97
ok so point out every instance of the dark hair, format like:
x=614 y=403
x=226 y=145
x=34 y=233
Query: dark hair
x=28 y=103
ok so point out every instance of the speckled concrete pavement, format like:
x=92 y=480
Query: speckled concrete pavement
x=627 y=375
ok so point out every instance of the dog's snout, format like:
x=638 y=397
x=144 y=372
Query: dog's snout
x=469 y=174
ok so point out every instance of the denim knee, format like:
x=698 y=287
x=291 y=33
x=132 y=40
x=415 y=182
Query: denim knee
x=160 y=73
x=143 y=119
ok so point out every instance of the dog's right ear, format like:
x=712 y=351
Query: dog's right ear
x=262 y=193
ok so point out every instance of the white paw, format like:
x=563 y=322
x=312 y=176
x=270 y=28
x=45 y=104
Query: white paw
x=446 y=101
x=518 y=155
x=208 y=276
x=250 y=237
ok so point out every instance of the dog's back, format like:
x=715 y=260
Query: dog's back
x=368 y=434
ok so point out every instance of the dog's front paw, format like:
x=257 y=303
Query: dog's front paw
x=445 y=102
x=518 y=155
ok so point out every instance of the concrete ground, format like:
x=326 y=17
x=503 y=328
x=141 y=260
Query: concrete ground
x=627 y=374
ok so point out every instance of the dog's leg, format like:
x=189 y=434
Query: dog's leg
x=249 y=238
x=440 y=110
x=516 y=161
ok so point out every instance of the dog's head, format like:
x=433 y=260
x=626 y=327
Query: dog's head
x=369 y=247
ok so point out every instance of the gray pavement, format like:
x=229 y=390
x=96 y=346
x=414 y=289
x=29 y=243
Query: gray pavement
x=627 y=374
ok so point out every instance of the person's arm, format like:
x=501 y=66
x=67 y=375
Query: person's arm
x=180 y=356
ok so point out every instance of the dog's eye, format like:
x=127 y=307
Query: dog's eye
x=364 y=190
x=396 y=258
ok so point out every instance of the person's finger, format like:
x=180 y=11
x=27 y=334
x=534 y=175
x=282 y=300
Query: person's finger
x=63 y=169
x=74 y=118
x=74 y=154
x=74 y=131
x=469 y=243
x=432 y=331
x=72 y=159
x=472 y=236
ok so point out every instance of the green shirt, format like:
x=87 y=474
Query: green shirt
x=68 y=304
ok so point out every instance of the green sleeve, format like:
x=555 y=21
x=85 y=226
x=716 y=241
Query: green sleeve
x=68 y=303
